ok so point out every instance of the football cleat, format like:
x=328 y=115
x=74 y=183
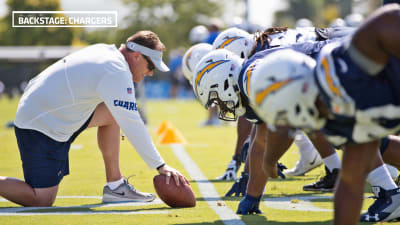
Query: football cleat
x=326 y=183
x=386 y=206
x=281 y=168
x=304 y=165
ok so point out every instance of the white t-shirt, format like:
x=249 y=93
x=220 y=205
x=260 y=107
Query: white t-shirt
x=61 y=99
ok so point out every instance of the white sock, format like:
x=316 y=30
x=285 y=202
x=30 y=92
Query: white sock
x=306 y=148
x=393 y=171
x=332 y=162
x=380 y=177
x=114 y=184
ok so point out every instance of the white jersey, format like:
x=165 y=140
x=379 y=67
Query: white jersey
x=61 y=99
x=292 y=36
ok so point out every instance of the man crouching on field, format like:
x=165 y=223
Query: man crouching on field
x=90 y=88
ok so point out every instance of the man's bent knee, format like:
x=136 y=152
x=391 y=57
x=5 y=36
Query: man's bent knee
x=45 y=197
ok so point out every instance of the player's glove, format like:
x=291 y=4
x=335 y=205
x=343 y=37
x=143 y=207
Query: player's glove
x=239 y=187
x=231 y=170
x=249 y=205
x=281 y=168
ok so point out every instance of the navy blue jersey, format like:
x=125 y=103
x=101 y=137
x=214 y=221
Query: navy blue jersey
x=310 y=48
x=364 y=107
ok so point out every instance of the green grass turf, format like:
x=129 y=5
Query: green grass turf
x=211 y=148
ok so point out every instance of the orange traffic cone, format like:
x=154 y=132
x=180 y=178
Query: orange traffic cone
x=163 y=127
x=172 y=136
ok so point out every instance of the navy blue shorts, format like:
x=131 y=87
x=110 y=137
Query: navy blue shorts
x=44 y=161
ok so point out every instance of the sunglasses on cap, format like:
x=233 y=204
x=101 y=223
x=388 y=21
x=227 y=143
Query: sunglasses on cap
x=150 y=64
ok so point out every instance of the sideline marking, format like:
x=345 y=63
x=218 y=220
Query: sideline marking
x=206 y=188
x=79 y=213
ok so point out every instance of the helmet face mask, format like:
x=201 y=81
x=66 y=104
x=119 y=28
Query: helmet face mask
x=215 y=83
x=227 y=109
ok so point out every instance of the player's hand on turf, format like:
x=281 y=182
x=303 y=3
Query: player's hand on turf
x=231 y=170
x=249 y=205
x=239 y=187
x=228 y=175
x=171 y=172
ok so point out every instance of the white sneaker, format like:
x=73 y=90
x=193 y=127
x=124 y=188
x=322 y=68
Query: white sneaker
x=304 y=165
x=125 y=192
x=386 y=206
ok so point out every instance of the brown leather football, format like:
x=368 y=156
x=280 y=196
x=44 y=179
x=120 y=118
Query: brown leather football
x=173 y=195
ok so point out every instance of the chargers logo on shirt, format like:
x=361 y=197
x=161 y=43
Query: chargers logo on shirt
x=125 y=104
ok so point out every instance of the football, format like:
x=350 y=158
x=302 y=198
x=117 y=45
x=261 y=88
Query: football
x=173 y=195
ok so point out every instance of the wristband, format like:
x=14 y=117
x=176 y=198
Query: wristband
x=160 y=166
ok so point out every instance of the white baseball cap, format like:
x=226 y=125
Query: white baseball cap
x=154 y=55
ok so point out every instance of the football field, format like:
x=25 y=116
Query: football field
x=204 y=157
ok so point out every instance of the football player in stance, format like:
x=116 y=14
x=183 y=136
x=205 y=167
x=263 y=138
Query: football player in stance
x=351 y=93
x=218 y=81
x=241 y=43
x=244 y=45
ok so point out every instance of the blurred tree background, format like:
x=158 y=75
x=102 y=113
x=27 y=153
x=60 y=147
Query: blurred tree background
x=320 y=12
x=11 y=36
x=170 y=19
x=165 y=17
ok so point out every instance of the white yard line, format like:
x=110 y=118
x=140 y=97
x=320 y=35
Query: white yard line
x=57 y=210
x=79 y=213
x=206 y=188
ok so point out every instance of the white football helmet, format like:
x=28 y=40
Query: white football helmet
x=198 y=34
x=192 y=57
x=283 y=91
x=215 y=81
x=338 y=22
x=354 y=20
x=303 y=22
x=235 y=40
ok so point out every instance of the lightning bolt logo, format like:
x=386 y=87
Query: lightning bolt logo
x=335 y=89
x=207 y=69
x=263 y=94
x=228 y=41
x=187 y=60
x=248 y=75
